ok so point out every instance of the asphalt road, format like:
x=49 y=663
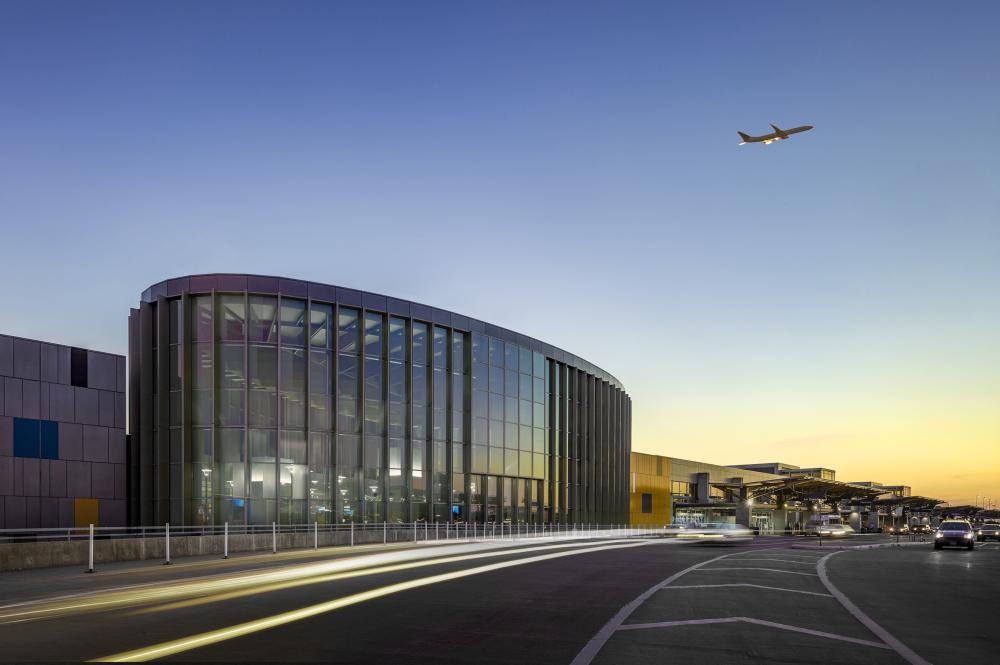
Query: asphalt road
x=535 y=601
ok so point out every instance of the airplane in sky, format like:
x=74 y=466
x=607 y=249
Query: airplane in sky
x=778 y=135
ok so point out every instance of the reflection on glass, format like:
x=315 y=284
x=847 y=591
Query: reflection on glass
x=293 y=314
x=263 y=319
x=373 y=334
x=347 y=331
x=320 y=325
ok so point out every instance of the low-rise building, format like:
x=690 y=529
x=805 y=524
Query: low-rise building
x=62 y=436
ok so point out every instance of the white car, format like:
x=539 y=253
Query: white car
x=828 y=530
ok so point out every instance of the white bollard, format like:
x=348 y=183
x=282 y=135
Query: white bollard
x=315 y=535
x=90 y=549
x=167 y=562
x=384 y=533
x=436 y=531
x=225 y=540
x=352 y=534
x=414 y=532
x=274 y=537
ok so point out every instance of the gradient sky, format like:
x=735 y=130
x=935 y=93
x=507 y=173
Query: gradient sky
x=568 y=170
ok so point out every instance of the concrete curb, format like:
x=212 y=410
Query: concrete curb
x=873 y=546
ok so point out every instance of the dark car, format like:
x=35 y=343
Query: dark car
x=921 y=528
x=988 y=532
x=901 y=530
x=957 y=533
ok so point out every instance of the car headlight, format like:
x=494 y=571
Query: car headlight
x=938 y=534
x=968 y=535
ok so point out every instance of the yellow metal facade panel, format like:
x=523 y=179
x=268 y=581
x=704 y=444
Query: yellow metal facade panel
x=644 y=479
x=86 y=513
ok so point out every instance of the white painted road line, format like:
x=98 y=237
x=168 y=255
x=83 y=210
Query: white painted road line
x=810 y=562
x=906 y=652
x=753 y=586
x=758 y=622
x=773 y=570
x=597 y=642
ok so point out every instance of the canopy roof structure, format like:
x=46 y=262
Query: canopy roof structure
x=910 y=502
x=811 y=488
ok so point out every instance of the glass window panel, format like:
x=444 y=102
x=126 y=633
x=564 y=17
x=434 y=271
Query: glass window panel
x=320 y=325
x=176 y=417
x=263 y=445
x=440 y=424
x=397 y=338
x=397 y=419
x=230 y=479
x=480 y=404
x=397 y=382
x=480 y=459
x=524 y=360
x=480 y=349
x=420 y=343
x=395 y=453
x=419 y=384
x=496 y=433
x=293 y=370
x=230 y=446
x=347 y=331
x=320 y=410
x=539 y=470
x=418 y=451
x=458 y=458
x=496 y=352
x=201 y=445
x=262 y=409
x=539 y=365
x=293 y=320
x=319 y=372
x=480 y=377
x=373 y=334
x=496 y=460
x=347 y=394
x=524 y=412
x=457 y=428
x=538 y=440
x=293 y=448
x=458 y=495
x=457 y=392
x=201 y=309
x=510 y=355
x=539 y=391
x=440 y=458
x=418 y=422
x=374 y=399
x=524 y=458
x=263 y=319
x=496 y=407
x=232 y=318
x=538 y=414
x=263 y=483
x=232 y=407
x=348 y=494
x=440 y=346
x=510 y=383
x=440 y=389
x=480 y=431
x=510 y=409
x=231 y=366
x=201 y=367
x=201 y=407
x=510 y=462
x=524 y=381
x=320 y=452
x=496 y=380
x=348 y=452
x=524 y=438
x=263 y=366
x=510 y=436
x=458 y=352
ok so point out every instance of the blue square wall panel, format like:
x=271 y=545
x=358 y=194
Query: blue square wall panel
x=49 y=430
x=25 y=437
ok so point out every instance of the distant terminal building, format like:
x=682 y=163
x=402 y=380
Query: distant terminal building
x=62 y=436
x=256 y=399
x=772 y=497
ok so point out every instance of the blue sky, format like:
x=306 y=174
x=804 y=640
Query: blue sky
x=569 y=170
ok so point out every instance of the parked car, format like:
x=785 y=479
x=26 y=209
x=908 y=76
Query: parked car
x=957 y=533
x=901 y=530
x=827 y=530
x=988 y=532
x=921 y=528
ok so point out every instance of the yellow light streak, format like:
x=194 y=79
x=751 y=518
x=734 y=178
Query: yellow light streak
x=240 y=630
x=206 y=589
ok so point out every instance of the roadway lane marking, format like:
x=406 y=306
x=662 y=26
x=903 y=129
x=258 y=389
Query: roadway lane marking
x=255 y=578
x=906 y=652
x=757 y=622
x=597 y=642
x=239 y=630
x=763 y=558
x=755 y=586
x=772 y=570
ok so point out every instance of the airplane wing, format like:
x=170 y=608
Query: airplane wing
x=777 y=129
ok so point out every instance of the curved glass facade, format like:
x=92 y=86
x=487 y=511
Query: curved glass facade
x=260 y=399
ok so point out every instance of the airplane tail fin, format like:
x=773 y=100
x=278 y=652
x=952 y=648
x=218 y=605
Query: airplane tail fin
x=746 y=139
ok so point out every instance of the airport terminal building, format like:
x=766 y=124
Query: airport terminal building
x=257 y=399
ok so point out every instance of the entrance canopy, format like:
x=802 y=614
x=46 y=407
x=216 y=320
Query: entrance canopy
x=909 y=502
x=809 y=488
